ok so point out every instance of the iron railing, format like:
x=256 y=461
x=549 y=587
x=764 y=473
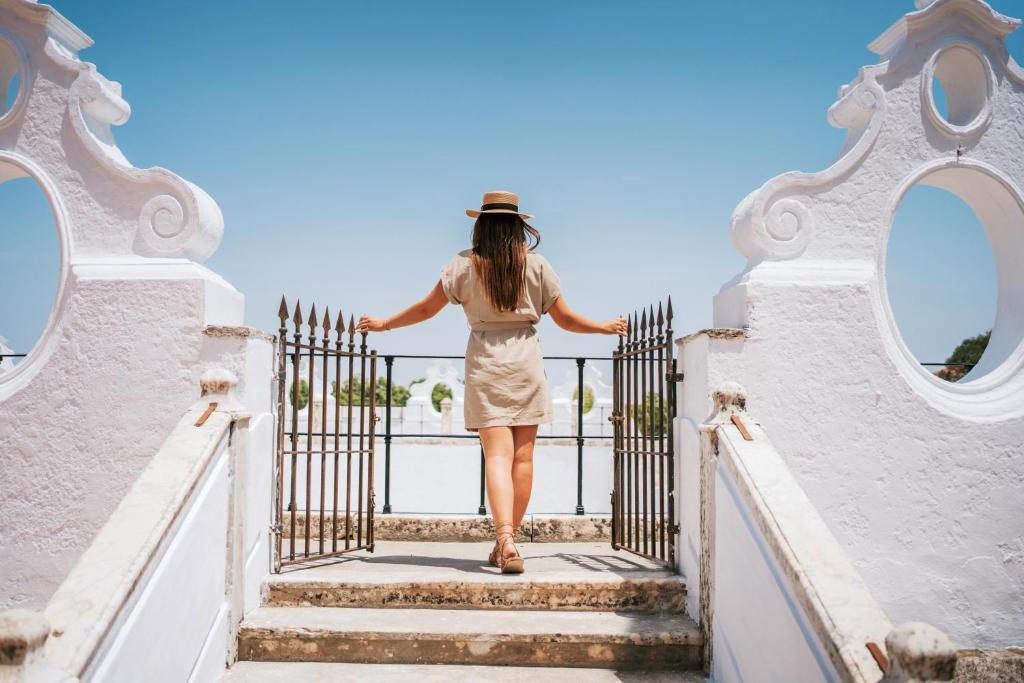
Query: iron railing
x=580 y=437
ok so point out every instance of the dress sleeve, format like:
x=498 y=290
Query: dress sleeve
x=551 y=287
x=450 y=280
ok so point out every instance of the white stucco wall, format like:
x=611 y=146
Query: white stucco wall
x=118 y=362
x=919 y=480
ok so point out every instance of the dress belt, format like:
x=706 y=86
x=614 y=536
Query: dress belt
x=495 y=326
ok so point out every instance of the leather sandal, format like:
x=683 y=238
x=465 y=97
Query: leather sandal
x=508 y=565
x=492 y=559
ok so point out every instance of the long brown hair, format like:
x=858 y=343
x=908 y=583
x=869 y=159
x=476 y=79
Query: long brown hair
x=500 y=245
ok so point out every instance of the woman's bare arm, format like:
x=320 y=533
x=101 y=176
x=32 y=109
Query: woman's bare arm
x=571 y=321
x=422 y=310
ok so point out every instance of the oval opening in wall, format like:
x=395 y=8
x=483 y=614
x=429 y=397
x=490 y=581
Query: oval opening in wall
x=953 y=274
x=960 y=86
x=29 y=265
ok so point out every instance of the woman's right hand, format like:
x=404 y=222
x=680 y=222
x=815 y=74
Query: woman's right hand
x=615 y=326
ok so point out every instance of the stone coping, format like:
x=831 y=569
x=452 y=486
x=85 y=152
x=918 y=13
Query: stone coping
x=834 y=597
x=989 y=666
x=461 y=528
x=715 y=333
x=399 y=440
x=238 y=331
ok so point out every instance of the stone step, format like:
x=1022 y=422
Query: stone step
x=322 y=672
x=559 y=576
x=455 y=528
x=492 y=637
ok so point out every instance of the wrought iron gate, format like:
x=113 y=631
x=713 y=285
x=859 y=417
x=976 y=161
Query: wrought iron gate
x=643 y=494
x=326 y=418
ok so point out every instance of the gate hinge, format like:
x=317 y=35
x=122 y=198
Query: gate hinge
x=614 y=417
x=674 y=529
x=276 y=529
x=673 y=377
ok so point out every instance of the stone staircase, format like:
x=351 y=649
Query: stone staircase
x=581 y=611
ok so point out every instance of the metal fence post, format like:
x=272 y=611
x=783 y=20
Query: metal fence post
x=580 y=362
x=388 y=362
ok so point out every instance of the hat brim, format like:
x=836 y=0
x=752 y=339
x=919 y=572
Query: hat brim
x=475 y=213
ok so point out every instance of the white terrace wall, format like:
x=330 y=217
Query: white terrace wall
x=122 y=352
x=920 y=480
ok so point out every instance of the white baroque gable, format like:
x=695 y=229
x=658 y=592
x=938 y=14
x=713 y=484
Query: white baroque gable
x=833 y=226
x=59 y=131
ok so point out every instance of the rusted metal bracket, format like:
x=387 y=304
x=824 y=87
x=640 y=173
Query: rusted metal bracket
x=742 y=427
x=206 y=415
x=674 y=529
x=673 y=377
x=880 y=659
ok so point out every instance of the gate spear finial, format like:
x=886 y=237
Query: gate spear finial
x=282 y=312
x=297 y=318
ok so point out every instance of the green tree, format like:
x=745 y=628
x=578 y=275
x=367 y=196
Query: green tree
x=964 y=357
x=438 y=393
x=303 y=394
x=588 y=397
x=361 y=390
x=642 y=416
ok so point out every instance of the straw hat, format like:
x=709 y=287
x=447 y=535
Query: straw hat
x=499 y=202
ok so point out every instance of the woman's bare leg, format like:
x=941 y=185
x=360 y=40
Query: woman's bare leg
x=523 y=439
x=499 y=453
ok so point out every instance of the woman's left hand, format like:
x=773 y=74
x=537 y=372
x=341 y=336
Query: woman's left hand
x=371 y=324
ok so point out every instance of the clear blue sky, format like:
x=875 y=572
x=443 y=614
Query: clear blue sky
x=343 y=140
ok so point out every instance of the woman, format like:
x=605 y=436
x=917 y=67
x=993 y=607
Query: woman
x=504 y=288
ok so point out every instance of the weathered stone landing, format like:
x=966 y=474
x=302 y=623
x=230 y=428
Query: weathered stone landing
x=579 y=605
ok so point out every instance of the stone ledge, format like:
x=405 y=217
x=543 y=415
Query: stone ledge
x=559 y=576
x=715 y=333
x=989 y=666
x=238 y=331
x=440 y=636
x=460 y=528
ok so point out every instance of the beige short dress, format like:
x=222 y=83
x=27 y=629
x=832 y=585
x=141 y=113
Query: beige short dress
x=505 y=380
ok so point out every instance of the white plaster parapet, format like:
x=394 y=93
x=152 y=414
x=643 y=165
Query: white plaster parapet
x=845 y=398
x=94 y=595
x=841 y=612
